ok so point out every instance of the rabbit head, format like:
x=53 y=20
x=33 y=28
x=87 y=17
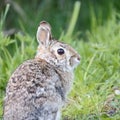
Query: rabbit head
x=54 y=52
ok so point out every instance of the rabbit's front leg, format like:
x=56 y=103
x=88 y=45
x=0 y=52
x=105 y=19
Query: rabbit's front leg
x=58 y=115
x=53 y=116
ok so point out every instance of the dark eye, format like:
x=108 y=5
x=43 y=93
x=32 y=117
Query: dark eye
x=60 y=51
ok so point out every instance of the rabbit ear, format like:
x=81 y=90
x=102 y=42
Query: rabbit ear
x=44 y=33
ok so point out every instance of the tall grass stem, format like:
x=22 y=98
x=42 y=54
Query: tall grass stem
x=73 y=18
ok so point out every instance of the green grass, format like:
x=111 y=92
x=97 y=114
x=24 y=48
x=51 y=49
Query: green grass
x=97 y=74
x=95 y=77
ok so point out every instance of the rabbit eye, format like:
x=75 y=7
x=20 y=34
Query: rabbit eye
x=60 y=51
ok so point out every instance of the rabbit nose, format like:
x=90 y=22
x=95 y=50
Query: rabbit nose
x=78 y=58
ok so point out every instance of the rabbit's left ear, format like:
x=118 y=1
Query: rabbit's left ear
x=44 y=34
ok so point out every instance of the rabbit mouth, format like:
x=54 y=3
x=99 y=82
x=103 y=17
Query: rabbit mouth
x=74 y=62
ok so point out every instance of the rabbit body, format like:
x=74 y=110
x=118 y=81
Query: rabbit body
x=38 y=88
x=35 y=91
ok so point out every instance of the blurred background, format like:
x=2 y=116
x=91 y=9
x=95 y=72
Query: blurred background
x=92 y=27
x=25 y=15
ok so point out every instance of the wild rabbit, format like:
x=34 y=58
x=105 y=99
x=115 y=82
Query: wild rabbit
x=38 y=88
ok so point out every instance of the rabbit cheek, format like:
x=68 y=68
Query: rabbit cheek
x=61 y=60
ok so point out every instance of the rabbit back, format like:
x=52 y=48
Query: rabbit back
x=34 y=92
